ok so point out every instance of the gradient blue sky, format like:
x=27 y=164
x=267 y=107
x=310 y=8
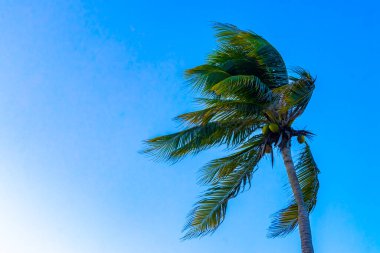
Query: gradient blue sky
x=82 y=83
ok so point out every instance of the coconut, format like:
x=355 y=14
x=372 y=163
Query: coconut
x=273 y=127
x=268 y=149
x=301 y=139
x=265 y=129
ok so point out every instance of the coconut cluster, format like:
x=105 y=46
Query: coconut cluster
x=268 y=129
x=273 y=128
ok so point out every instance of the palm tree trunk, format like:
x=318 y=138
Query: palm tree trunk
x=303 y=214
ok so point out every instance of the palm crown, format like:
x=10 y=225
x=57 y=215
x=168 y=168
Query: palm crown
x=245 y=88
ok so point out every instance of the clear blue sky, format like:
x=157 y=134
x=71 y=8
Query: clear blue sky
x=82 y=83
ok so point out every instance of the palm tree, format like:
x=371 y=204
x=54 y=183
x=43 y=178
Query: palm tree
x=249 y=105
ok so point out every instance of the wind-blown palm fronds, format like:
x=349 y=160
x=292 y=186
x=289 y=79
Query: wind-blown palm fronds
x=242 y=52
x=219 y=168
x=228 y=176
x=244 y=87
x=195 y=139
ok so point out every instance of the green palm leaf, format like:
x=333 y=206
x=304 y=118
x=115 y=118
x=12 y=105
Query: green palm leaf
x=232 y=109
x=245 y=87
x=219 y=168
x=286 y=220
x=193 y=140
x=218 y=110
x=256 y=55
x=297 y=94
x=205 y=76
x=209 y=212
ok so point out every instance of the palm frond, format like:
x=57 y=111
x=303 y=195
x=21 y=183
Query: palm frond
x=203 y=77
x=286 y=220
x=223 y=110
x=193 y=140
x=263 y=59
x=233 y=109
x=245 y=87
x=297 y=94
x=209 y=212
x=219 y=168
x=234 y=60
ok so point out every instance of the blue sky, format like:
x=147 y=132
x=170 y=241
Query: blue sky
x=82 y=83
